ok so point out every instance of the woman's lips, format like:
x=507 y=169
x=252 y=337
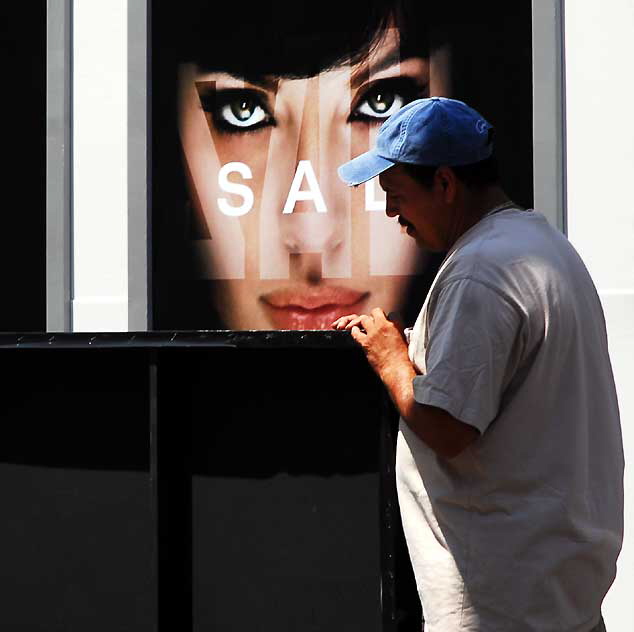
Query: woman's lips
x=314 y=307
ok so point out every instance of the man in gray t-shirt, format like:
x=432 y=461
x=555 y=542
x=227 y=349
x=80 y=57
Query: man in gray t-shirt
x=509 y=454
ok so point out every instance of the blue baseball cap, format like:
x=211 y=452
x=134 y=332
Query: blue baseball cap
x=434 y=131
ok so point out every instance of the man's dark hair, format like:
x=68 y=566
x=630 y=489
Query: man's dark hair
x=475 y=176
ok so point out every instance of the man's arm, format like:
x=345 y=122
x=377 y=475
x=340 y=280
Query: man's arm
x=386 y=351
x=441 y=431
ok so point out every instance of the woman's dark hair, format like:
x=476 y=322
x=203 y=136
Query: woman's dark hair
x=311 y=37
x=475 y=176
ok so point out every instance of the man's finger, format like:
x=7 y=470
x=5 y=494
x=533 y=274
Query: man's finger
x=335 y=323
x=358 y=335
x=355 y=321
x=378 y=314
x=342 y=321
x=367 y=322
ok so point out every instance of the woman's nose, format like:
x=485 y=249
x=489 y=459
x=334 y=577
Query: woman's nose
x=308 y=228
x=311 y=232
x=314 y=221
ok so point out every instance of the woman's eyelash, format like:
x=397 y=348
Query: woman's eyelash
x=214 y=102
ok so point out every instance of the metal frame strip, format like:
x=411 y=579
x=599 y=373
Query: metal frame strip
x=58 y=165
x=139 y=167
x=549 y=111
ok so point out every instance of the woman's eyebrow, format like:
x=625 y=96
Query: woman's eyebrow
x=261 y=81
x=387 y=60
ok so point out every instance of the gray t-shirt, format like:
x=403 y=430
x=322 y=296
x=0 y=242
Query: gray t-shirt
x=521 y=531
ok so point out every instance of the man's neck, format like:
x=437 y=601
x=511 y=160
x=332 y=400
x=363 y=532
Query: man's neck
x=478 y=205
x=482 y=203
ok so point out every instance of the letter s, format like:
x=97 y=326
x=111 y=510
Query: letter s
x=233 y=187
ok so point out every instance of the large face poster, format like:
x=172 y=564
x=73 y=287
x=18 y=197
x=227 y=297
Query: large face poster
x=256 y=105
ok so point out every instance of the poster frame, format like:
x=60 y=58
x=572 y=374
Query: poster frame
x=548 y=108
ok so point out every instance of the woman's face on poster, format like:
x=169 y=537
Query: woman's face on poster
x=285 y=242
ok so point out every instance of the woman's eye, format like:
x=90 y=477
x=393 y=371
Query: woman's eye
x=386 y=97
x=236 y=110
x=242 y=112
x=380 y=104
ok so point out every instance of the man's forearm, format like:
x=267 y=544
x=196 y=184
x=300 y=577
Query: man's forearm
x=444 y=434
x=398 y=380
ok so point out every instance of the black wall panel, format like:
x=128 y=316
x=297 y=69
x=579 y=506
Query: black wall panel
x=76 y=534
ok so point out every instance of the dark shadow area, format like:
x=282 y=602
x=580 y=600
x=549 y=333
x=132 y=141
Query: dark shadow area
x=80 y=409
x=492 y=72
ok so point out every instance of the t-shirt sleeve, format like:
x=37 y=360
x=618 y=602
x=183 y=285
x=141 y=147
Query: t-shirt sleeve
x=472 y=338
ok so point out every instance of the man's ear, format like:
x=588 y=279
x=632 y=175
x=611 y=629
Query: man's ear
x=448 y=183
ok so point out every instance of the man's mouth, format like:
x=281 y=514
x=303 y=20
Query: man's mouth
x=311 y=307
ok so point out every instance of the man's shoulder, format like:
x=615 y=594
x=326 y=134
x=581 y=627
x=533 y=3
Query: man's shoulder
x=503 y=235
x=512 y=239
x=516 y=253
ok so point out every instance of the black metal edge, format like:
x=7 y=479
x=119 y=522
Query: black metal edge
x=388 y=504
x=180 y=339
x=171 y=493
x=154 y=484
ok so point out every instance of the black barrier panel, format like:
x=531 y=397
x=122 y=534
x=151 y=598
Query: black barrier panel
x=285 y=498
x=284 y=480
x=282 y=456
x=207 y=481
x=76 y=532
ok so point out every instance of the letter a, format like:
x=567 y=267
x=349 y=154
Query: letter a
x=304 y=168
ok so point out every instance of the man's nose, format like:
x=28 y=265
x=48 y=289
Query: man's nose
x=390 y=208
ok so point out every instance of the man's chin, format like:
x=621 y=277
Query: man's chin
x=425 y=246
x=411 y=232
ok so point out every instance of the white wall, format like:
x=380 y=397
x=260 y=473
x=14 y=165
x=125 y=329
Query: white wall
x=599 y=53
x=99 y=217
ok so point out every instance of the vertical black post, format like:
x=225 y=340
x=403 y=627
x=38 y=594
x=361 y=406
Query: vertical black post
x=388 y=506
x=154 y=488
x=171 y=475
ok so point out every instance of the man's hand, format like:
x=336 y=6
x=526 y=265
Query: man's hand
x=381 y=339
x=384 y=345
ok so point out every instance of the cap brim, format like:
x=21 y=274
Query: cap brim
x=363 y=168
